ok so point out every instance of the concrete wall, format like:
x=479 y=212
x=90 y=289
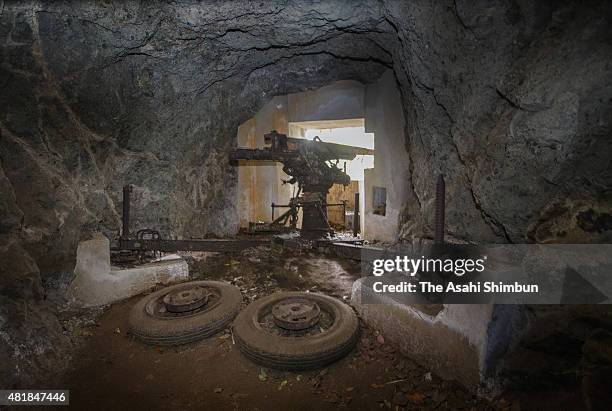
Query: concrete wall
x=384 y=118
x=379 y=103
x=336 y=195
x=260 y=185
x=97 y=283
x=462 y=342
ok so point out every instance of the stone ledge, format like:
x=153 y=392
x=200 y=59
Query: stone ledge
x=461 y=342
x=97 y=283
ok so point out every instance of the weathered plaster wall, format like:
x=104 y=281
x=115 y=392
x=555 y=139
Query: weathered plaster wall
x=384 y=117
x=260 y=184
x=462 y=342
x=380 y=103
x=337 y=194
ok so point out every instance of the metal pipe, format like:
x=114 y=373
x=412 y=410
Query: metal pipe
x=356 y=218
x=440 y=210
x=125 y=218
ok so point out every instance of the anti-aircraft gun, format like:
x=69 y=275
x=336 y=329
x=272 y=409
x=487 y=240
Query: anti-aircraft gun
x=313 y=165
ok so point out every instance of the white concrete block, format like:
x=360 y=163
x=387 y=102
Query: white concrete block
x=93 y=256
x=96 y=284
x=461 y=342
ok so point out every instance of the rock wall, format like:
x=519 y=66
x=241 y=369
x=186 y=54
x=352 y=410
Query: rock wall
x=96 y=95
x=510 y=100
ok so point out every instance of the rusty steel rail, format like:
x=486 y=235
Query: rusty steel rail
x=169 y=246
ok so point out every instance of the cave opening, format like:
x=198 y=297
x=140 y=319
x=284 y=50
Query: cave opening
x=147 y=150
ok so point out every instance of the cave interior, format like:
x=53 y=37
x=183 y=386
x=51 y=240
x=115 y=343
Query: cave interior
x=509 y=100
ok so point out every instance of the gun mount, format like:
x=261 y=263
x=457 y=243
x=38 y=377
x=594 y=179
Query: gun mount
x=313 y=165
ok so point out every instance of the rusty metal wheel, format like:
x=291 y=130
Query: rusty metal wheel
x=296 y=331
x=184 y=313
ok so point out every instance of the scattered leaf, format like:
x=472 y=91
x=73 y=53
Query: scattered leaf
x=400 y=399
x=282 y=384
x=396 y=381
x=263 y=376
x=415 y=397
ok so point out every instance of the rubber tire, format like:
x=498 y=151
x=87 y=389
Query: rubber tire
x=291 y=353
x=168 y=331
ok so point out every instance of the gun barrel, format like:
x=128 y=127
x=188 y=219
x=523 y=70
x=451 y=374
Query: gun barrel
x=323 y=150
x=331 y=151
x=261 y=155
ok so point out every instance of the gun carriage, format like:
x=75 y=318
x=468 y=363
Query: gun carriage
x=313 y=165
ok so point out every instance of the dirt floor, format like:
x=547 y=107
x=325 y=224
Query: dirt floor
x=114 y=371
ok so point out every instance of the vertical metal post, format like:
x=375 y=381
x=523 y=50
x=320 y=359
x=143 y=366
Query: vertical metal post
x=272 y=212
x=440 y=210
x=344 y=214
x=356 y=218
x=125 y=233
